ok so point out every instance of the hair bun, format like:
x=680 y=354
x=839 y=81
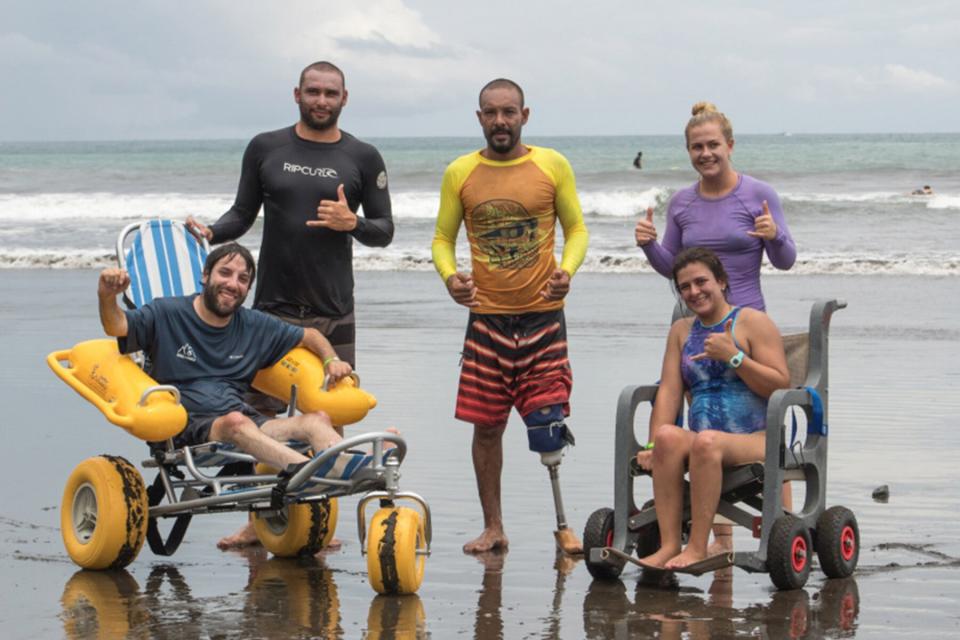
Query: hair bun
x=703 y=107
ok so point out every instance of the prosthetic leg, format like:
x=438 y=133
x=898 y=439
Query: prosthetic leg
x=548 y=435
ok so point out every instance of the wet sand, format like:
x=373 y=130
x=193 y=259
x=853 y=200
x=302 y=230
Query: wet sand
x=894 y=407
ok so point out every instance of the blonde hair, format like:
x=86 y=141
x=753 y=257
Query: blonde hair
x=704 y=112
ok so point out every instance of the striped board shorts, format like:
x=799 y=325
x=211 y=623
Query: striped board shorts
x=513 y=361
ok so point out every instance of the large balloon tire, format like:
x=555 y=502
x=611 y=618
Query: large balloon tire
x=104 y=513
x=838 y=542
x=789 y=553
x=297 y=529
x=394 y=566
x=597 y=534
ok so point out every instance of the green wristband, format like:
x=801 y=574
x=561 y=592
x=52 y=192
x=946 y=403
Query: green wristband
x=648 y=446
x=329 y=360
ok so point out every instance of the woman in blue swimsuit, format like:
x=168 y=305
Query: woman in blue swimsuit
x=730 y=359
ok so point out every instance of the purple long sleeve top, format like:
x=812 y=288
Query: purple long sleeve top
x=721 y=225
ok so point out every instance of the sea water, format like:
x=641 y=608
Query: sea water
x=847 y=198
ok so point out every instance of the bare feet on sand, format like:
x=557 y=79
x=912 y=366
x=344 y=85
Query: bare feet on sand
x=659 y=559
x=685 y=559
x=568 y=542
x=245 y=537
x=489 y=540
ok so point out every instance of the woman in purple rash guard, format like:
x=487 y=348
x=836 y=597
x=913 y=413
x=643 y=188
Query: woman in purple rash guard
x=736 y=216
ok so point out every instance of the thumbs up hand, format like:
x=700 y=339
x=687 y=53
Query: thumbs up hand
x=763 y=225
x=645 y=232
x=719 y=346
x=335 y=214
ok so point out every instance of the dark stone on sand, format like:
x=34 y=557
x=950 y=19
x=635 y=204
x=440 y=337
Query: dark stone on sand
x=881 y=493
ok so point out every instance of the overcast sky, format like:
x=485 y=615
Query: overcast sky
x=226 y=69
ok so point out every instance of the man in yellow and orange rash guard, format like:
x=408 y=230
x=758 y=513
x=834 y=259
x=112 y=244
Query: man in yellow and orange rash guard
x=510 y=197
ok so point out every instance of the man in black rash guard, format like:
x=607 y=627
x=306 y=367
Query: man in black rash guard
x=311 y=179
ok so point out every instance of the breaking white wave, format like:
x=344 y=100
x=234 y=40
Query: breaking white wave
x=407 y=205
x=596 y=262
x=874 y=197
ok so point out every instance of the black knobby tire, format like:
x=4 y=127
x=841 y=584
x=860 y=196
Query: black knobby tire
x=789 y=553
x=838 y=542
x=597 y=534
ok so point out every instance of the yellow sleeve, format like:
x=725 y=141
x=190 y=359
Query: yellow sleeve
x=449 y=218
x=575 y=235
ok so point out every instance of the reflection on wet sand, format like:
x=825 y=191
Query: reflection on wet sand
x=489 y=620
x=284 y=598
x=488 y=623
x=663 y=609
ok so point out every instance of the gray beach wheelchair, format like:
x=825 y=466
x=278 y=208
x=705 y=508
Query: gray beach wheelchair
x=107 y=512
x=750 y=494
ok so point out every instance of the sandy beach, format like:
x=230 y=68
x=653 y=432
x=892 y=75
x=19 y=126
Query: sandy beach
x=894 y=374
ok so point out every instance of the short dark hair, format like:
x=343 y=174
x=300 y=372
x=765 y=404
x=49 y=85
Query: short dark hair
x=227 y=251
x=704 y=256
x=323 y=65
x=500 y=83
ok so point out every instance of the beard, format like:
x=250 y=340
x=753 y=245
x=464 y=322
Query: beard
x=319 y=124
x=503 y=147
x=212 y=303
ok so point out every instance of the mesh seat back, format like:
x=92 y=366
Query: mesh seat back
x=797 y=348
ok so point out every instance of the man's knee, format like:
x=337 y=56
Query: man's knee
x=231 y=427
x=487 y=435
x=546 y=430
x=318 y=420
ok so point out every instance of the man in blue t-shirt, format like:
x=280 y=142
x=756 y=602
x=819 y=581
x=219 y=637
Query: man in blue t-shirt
x=210 y=347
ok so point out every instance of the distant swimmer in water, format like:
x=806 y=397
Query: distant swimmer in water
x=637 y=162
x=926 y=191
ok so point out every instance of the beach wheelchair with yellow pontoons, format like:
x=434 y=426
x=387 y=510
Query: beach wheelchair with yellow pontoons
x=108 y=512
x=750 y=494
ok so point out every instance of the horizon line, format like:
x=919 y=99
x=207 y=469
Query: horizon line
x=785 y=134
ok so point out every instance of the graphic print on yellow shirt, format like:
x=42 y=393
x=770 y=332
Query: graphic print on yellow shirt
x=505 y=233
x=510 y=210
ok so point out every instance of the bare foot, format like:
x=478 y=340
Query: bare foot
x=489 y=540
x=245 y=537
x=568 y=542
x=659 y=559
x=685 y=559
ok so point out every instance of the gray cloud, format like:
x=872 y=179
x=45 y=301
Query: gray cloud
x=226 y=69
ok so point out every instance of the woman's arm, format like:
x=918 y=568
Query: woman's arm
x=764 y=369
x=669 y=400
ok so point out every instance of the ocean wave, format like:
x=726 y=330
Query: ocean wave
x=30 y=214
x=874 y=197
x=407 y=205
x=596 y=262
x=944 y=202
x=59 y=207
